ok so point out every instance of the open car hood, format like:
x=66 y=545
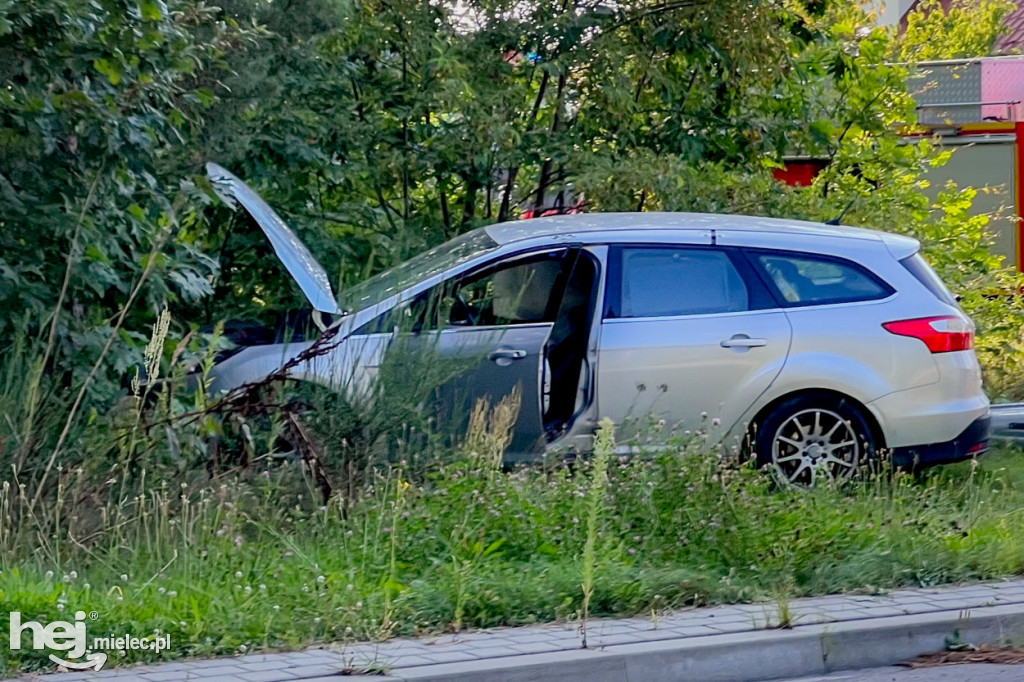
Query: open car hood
x=300 y=263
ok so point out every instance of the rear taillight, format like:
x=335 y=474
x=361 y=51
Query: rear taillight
x=978 y=448
x=942 y=334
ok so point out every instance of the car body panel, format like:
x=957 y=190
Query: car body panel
x=825 y=239
x=497 y=360
x=347 y=365
x=676 y=368
x=846 y=343
x=935 y=412
x=252 y=364
x=587 y=228
x=842 y=347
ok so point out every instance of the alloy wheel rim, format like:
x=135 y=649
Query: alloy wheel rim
x=815 y=445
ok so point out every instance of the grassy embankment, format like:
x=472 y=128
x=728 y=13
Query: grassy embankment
x=251 y=562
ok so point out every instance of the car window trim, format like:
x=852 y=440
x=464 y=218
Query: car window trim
x=490 y=327
x=695 y=316
x=751 y=255
x=921 y=270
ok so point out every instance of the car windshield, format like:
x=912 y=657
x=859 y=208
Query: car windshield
x=401 y=277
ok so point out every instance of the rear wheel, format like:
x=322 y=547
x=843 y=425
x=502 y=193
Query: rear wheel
x=815 y=438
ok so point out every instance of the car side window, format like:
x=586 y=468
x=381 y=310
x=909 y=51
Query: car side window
x=511 y=293
x=662 y=282
x=516 y=293
x=803 y=279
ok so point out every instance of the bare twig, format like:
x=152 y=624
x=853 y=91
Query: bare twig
x=69 y=422
x=51 y=341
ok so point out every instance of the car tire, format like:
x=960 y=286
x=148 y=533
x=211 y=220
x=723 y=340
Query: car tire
x=814 y=438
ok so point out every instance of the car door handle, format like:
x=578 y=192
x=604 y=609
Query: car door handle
x=743 y=341
x=506 y=355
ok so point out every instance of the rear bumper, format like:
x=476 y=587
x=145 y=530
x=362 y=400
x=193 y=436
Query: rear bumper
x=971 y=442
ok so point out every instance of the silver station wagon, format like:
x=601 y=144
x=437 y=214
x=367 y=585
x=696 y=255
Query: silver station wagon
x=818 y=346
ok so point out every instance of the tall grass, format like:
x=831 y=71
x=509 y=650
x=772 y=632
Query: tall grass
x=253 y=559
x=248 y=554
x=593 y=507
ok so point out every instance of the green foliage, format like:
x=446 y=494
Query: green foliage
x=347 y=430
x=256 y=562
x=593 y=508
x=407 y=123
x=98 y=103
x=966 y=28
x=383 y=128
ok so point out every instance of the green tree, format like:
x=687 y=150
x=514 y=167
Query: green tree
x=98 y=105
x=383 y=127
x=396 y=125
x=964 y=28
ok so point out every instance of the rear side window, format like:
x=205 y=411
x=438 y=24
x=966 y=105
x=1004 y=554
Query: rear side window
x=663 y=282
x=923 y=273
x=803 y=279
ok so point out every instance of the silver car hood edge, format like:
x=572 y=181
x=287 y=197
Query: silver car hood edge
x=296 y=258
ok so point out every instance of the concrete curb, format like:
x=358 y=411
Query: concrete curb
x=742 y=657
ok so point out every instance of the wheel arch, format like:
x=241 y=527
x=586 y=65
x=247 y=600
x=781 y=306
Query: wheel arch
x=872 y=419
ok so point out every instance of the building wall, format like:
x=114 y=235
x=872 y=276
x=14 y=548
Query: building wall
x=890 y=11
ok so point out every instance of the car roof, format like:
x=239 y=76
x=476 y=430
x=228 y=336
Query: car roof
x=579 y=224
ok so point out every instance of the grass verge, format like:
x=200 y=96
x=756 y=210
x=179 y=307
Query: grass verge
x=251 y=564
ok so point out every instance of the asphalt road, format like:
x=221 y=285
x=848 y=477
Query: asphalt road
x=976 y=672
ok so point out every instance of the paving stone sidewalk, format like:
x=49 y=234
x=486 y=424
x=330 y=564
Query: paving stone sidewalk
x=321 y=665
